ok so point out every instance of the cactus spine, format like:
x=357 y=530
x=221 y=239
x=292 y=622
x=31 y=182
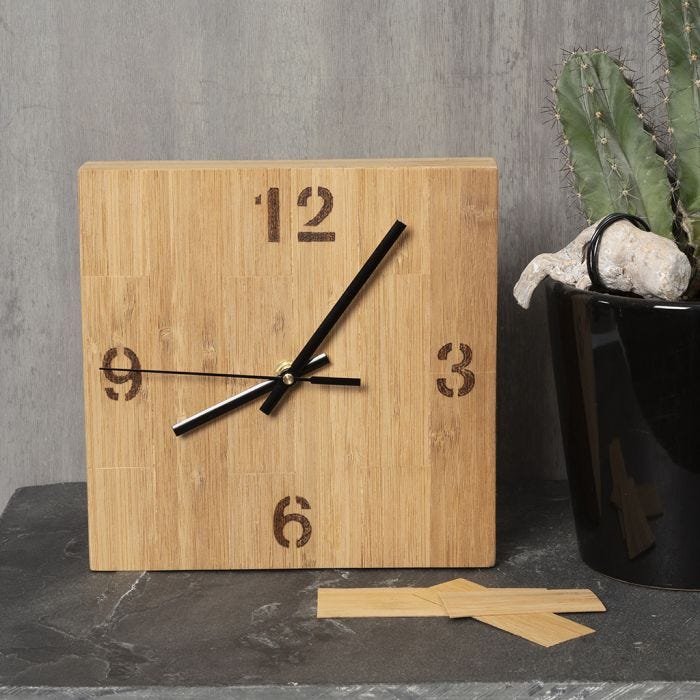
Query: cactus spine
x=610 y=149
x=679 y=34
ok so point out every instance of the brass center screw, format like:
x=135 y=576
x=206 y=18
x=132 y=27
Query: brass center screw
x=281 y=369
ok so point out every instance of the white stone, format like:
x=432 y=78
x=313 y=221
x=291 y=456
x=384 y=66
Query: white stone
x=629 y=260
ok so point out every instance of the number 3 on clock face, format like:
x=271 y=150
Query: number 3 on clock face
x=227 y=268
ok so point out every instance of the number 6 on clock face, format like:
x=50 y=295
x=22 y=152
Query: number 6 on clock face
x=193 y=272
x=280 y=520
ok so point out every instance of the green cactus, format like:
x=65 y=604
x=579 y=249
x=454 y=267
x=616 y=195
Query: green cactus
x=613 y=154
x=611 y=151
x=679 y=34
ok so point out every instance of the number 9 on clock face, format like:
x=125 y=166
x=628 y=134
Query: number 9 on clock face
x=195 y=270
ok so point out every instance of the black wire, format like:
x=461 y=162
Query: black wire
x=593 y=247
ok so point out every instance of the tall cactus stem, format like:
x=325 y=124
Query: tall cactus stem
x=680 y=39
x=613 y=154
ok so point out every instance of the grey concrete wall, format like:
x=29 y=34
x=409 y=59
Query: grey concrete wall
x=149 y=79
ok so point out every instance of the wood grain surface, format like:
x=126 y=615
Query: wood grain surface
x=196 y=268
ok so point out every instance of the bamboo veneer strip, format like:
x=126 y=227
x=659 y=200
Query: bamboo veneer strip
x=497 y=602
x=545 y=629
x=385 y=602
x=376 y=602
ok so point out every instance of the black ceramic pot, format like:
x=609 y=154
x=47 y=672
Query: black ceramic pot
x=628 y=381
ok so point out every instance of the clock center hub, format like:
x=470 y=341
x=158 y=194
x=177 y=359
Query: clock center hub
x=281 y=369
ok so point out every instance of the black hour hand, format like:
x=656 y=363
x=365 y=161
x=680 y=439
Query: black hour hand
x=234 y=402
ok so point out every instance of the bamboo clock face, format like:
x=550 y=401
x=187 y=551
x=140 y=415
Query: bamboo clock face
x=230 y=267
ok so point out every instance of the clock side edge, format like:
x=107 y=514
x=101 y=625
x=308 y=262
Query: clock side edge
x=83 y=177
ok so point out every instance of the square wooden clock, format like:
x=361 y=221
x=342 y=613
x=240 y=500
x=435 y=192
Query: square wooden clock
x=303 y=277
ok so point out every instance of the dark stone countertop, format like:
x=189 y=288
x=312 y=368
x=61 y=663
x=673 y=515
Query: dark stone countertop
x=65 y=626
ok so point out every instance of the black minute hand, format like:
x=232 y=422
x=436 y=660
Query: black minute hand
x=335 y=313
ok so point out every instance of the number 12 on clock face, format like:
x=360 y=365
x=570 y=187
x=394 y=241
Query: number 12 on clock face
x=330 y=378
x=310 y=236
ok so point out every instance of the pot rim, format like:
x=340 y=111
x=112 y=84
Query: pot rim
x=619 y=300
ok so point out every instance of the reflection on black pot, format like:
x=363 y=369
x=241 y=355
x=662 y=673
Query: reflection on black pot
x=628 y=385
x=634 y=502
